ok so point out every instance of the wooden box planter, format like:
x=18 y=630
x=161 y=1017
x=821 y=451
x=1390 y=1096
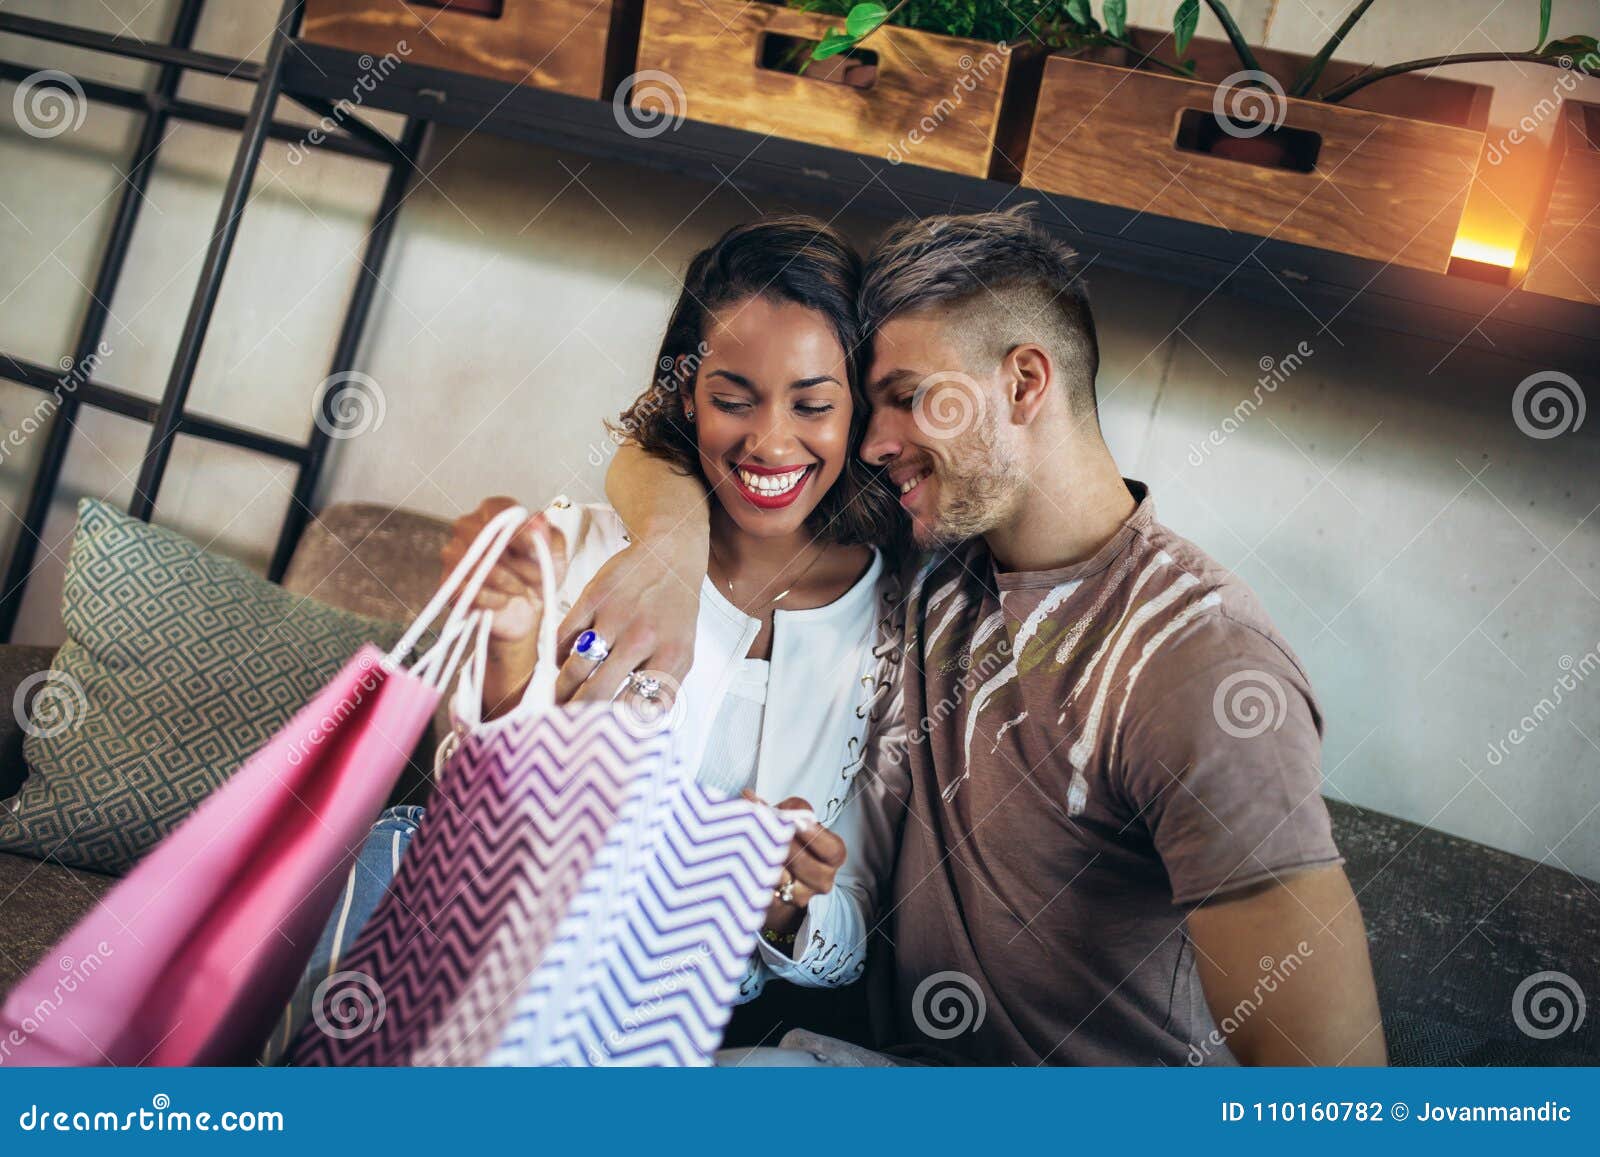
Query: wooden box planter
x=1383 y=175
x=1566 y=256
x=581 y=47
x=934 y=100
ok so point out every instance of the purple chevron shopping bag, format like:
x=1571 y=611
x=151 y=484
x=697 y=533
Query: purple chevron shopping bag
x=521 y=810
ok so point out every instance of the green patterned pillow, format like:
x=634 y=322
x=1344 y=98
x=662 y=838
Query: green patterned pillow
x=178 y=665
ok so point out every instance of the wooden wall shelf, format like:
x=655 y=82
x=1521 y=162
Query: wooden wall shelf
x=1332 y=291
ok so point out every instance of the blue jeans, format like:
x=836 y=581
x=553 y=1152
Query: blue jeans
x=375 y=868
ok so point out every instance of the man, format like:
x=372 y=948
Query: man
x=1116 y=851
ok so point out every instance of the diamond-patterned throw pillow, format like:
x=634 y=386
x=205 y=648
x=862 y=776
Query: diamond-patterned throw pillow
x=178 y=665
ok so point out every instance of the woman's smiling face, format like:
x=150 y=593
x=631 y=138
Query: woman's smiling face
x=772 y=408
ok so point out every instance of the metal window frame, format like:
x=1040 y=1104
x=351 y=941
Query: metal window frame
x=168 y=416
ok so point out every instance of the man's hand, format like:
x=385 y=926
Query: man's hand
x=645 y=601
x=513 y=591
x=1286 y=963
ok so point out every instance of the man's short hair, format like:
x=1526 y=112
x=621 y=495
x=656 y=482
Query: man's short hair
x=1006 y=280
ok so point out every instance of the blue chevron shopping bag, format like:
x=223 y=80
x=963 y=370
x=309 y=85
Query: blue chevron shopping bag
x=646 y=966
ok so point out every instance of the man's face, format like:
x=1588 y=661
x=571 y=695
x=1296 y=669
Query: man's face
x=942 y=427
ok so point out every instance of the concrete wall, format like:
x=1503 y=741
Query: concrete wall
x=1436 y=568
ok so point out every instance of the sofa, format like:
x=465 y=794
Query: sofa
x=1454 y=927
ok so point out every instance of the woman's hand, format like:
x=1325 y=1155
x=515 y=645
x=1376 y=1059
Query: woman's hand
x=513 y=592
x=815 y=857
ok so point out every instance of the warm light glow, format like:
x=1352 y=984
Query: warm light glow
x=1481 y=251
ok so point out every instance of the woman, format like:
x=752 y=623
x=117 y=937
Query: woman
x=794 y=690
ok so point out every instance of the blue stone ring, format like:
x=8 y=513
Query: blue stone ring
x=591 y=645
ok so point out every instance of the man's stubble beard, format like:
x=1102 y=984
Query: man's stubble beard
x=980 y=485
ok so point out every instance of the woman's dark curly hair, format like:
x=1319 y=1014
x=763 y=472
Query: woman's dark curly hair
x=792 y=259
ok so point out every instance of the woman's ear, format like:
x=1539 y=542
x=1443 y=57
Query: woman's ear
x=686 y=392
x=1031 y=374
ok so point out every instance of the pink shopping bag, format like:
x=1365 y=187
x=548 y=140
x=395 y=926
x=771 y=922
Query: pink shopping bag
x=198 y=949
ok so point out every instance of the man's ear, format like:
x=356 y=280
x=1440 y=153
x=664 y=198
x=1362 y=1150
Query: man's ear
x=1031 y=376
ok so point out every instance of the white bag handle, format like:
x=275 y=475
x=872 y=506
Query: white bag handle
x=541 y=690
x=438 y=664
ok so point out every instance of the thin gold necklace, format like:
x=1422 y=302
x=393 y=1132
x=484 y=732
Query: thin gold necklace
x=781 y=594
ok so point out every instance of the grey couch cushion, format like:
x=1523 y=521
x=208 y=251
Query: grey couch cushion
x=1454 y=929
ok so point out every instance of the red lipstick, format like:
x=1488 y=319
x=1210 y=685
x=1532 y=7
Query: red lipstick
x=767 y=500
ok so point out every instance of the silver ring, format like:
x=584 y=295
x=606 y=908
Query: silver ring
x=592 y=645
x=785 y=893
x=648 y=686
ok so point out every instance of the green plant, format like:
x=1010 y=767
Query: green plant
x=1053 y=24
x=1071 y=24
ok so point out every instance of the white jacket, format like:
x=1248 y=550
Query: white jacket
x=833 y=732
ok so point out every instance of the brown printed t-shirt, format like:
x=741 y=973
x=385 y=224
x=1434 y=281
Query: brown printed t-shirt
x=1092 y=749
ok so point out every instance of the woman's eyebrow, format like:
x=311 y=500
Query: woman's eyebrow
x=800 y=384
